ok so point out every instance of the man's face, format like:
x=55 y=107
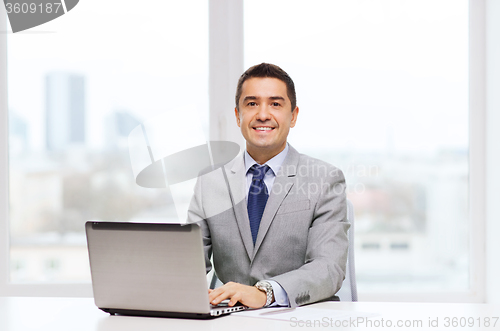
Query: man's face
x=265 y=116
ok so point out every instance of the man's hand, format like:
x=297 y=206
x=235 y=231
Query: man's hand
x=249 y=296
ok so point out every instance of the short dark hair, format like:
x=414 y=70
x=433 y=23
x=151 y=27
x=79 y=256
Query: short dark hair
x=267 y=70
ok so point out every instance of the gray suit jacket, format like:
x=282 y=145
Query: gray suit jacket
x=302 y=240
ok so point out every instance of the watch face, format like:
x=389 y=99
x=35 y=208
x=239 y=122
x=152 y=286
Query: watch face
x=266 y=287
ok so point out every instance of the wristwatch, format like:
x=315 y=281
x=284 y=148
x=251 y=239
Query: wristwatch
x=266 y=287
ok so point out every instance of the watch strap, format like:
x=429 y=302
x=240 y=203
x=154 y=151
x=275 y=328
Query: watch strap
x=267 y=288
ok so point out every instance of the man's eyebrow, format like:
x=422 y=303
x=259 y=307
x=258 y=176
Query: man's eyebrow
x=252 y=97
x=249 y=97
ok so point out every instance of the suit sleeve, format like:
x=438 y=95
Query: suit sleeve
x=324 y=267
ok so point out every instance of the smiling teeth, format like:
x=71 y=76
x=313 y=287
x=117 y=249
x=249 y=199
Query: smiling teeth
x=267 y=129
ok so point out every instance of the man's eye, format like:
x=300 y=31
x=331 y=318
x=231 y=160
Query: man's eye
x=251 y=104
x=276 y=104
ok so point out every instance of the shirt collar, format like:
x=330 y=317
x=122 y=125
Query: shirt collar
x=274 y=163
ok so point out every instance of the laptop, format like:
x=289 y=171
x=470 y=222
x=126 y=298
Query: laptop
x=150 y=270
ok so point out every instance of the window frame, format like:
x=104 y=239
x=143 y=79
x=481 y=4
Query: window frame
x=225 y=66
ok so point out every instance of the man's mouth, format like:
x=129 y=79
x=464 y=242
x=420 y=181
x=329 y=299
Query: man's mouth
x=263 y=128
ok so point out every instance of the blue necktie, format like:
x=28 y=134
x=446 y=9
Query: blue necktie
x=257 y=198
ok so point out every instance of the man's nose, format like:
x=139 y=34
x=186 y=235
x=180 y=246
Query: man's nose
x=263 y=114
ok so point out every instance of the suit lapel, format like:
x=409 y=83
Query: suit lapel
x=237 y=183
x=282 y=185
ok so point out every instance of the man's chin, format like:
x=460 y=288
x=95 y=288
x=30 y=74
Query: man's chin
x=262 y=146
x=265 y=148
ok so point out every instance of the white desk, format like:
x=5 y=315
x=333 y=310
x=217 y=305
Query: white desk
x=63 y=314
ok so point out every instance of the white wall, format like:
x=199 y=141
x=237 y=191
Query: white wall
x=4 y=245
x=493 y=151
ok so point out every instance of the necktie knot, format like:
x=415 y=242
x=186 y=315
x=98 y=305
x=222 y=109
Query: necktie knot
x=259 y=171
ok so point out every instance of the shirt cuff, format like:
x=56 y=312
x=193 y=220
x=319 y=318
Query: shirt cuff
x=280 y=296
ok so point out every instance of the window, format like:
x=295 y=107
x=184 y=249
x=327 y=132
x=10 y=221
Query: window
x=382 y=88
x=77 y=86
x=383 y=94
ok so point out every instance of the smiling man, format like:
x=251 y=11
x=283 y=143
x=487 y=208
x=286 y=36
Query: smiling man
x=283 y=241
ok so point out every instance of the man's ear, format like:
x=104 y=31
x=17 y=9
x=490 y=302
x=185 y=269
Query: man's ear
x=295 y=113
x=237 y=114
